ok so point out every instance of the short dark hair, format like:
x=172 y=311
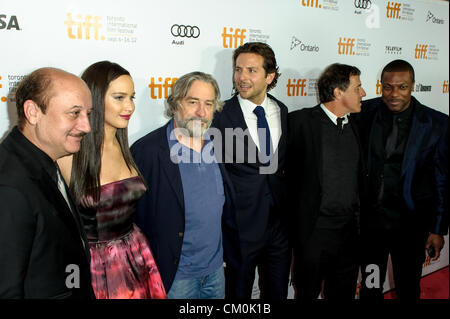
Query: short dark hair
x=264 y=50
x=399 y=66
x=335 y=76
x=36 y=86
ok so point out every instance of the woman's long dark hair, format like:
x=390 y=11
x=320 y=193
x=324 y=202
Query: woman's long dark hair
x=86 y=164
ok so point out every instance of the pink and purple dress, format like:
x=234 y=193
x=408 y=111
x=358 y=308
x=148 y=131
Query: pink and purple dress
x=122 y=264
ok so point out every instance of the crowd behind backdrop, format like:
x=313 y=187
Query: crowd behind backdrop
x=158 y=41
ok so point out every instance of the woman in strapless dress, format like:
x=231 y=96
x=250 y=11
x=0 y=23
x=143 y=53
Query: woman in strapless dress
x=106 y=185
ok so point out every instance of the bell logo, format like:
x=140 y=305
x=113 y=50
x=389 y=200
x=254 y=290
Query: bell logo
x=420 y=52
x=168 y=83
x=345 y=46
x=86 y=25
x=378 y=90
x=445 y=87
x=239 y=34
x=8 y=24
x=296 y=87
x=393 y=10
x=311 y=3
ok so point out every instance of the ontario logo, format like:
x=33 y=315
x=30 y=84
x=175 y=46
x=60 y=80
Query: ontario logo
x=233 y=37
x=9 y=23
x=84 y=28
x=296 y=43
x=160 y=89
x=432 y=18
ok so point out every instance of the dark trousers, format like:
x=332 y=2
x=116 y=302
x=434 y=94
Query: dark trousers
x=273 y=259
x=405 y=241
x=329 y=255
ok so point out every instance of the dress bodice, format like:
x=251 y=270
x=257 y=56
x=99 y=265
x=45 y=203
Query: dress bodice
x=112 y=215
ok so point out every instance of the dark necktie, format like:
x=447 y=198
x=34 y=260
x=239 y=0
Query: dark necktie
x=339 y=121
x=265 y=141
x=391 y=141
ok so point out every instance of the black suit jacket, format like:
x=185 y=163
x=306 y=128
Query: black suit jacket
x=39 y=235
x=160 y=212
x=304 y=171
x=424 y=171
x=254 y=191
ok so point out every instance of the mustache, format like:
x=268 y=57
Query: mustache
x=195 y=118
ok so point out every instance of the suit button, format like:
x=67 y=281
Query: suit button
x=180 y=234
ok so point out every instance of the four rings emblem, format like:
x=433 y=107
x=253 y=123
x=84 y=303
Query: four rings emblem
x=185 y=31
x=363 y=4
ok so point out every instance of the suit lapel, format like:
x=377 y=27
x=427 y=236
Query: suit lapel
x=419 y=128
x=170 y=168
x=316 y=134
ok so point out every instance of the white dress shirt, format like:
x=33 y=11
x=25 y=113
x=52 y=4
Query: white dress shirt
x=273 y=116
x=333 y=117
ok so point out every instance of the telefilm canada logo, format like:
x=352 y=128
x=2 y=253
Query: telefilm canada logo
x=182 y=32
x=391 y=49
x=9 y=22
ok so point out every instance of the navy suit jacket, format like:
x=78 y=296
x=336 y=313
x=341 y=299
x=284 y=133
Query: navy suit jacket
x=423 y=172
x=254 y=191
x=161 y=213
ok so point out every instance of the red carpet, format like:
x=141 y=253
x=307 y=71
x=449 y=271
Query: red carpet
x=433 y=286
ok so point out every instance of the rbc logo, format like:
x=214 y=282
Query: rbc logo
x=8 y=24
x=239 y=34
x=86 y=25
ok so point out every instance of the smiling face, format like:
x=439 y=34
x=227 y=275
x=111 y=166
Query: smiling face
x=396 y=90
x=119 y=102
x=196 y=109
x=58 y=131
x=250 y=78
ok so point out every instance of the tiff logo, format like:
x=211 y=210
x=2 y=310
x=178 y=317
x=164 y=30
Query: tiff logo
x=168 y=83
x=296 y=87
x=393 y=10
x=379 y=86
x=420 y=52
x=3 y=98
x=345 y=46
x=89 y=22
x=311 y=3
x=445 y=87
x=239 y=34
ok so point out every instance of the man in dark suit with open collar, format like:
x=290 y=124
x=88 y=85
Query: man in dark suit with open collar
x=326 y=176
x=259 y=181
x=44 y=252
x=406 y=146
x=188 y=211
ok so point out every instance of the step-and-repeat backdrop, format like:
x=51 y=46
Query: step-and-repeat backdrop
x=160 y=41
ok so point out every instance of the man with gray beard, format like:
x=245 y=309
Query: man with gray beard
x=188 y=212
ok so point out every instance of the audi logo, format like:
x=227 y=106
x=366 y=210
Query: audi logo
x=363 y=4
x=185 y=31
